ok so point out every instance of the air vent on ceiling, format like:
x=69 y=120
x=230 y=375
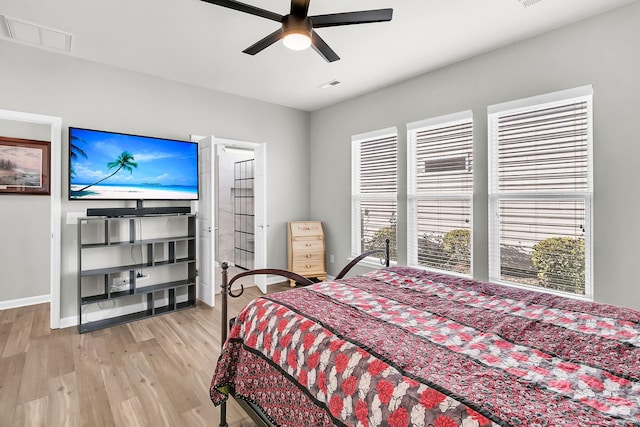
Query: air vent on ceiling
x=37 y=35
x=526 y=3
x=329 y=84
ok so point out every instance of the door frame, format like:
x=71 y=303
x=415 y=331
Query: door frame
x=260 y=227
x=260 y=154
x=55 y=200
x=206 y=292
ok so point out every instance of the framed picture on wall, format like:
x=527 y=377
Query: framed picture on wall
x=24 y=166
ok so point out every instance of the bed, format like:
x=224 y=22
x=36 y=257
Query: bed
x=404 y=347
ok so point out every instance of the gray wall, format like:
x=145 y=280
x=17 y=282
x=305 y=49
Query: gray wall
x=602 y=51
x=92 y=95
x=24 y=244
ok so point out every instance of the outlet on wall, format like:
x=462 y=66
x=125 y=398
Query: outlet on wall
x=120 y=281
x=331 y=259
x=72 y=217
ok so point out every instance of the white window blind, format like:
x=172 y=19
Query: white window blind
x=440 y=192
x=540 y=192
x=374 y=190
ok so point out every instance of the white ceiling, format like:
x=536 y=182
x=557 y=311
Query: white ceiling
x=201 y=44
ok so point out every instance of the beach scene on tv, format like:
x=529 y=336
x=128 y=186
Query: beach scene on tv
x=105 y=165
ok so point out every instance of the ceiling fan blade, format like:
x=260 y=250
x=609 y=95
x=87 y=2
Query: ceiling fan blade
x=299 y=7
x=350 y=18
x=323 y=48
x=264 y=43
x=246 y=8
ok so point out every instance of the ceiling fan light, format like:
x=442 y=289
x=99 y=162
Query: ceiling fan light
x=297 y=41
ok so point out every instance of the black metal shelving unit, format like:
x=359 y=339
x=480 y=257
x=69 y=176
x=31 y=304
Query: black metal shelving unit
x=109 y=244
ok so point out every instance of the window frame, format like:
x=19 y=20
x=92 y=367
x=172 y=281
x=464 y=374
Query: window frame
x=414 y=196
x=357 y=197
x=559 y=98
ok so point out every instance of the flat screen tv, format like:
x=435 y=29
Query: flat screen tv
x=116 y=166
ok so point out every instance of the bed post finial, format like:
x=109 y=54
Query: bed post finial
x=223 y=296
x=387 y=252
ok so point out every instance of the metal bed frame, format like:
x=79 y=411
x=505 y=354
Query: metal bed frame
x=252 y=410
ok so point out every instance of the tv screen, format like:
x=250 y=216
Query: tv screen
x=116 y=166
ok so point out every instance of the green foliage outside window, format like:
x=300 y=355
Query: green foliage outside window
x=457 y=247
x=379 y=241
x=560 y=263
x=449 y=252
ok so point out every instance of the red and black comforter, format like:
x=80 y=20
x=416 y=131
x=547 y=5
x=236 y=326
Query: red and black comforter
x=403 y=347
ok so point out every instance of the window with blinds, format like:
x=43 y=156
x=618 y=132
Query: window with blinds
x=374 y=191
x=540 y=192
x=440 y=191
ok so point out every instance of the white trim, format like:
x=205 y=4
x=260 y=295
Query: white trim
x=413 y=196
x=355 y=200
x=272 y=280
x=259 y=151
x=269 y=280
x=371 y=262
x=578 y=195
x=68 y=322
x=561 y=95
x=356 y=196
x=447 y=272
x=108 y=312
x=543 y=290
x=375 y=134
x=494 y=113
x=56 y=213
x=260 y=156
x=205 y=292
x=55 y=200
x=452 y=118
x=24 y=302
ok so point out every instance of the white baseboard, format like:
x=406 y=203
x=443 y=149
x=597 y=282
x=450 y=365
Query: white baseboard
x=67 y=322
x=105 y=313
x=70 y=321
x=23 y=302
x=272 y=280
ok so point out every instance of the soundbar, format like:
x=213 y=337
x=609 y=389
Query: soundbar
x=116 y=212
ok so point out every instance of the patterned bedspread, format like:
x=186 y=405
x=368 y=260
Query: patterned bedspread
x=403 y=347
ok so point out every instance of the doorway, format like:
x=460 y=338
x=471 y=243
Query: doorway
x=236 y=201
x=250 y=234
x=55 y=126
x=212 y=236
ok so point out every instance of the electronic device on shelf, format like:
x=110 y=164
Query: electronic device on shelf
x=138 y=211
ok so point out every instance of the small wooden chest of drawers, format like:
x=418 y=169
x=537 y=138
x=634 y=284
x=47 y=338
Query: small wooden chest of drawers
x=306 y=252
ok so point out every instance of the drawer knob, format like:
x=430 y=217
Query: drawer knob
x=308 y=265
x=308 y=245
x=308 y=255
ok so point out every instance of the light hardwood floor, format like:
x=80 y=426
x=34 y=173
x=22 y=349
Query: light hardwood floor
x=152 y=372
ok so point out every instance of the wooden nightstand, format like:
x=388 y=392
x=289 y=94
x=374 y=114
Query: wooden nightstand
x=306 y=251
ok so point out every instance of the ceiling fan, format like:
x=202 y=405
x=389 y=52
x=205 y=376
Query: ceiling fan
x=297 y=30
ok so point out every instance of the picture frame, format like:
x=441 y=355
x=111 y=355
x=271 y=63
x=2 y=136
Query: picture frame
x=25 y=166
